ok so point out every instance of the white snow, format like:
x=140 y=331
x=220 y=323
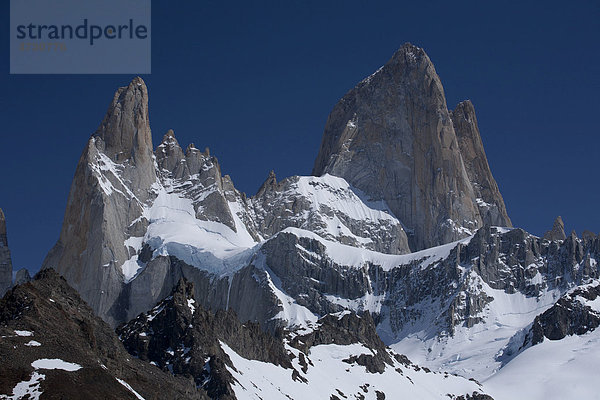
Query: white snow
x=33 y=343
x=355 y=257
x=212 y=246
x=55 y=363
x=472 y=352
x=561 y=369
x=190 y=303
x=328 y=375
x=27 y=388
x=24 y=333
x=368 y=302
x=136 y=394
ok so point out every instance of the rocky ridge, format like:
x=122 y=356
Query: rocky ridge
x=182 y=338
x=58 y=348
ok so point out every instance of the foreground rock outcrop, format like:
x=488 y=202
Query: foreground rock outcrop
x=53 y=345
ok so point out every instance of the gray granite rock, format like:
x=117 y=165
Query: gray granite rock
x=558 y=230
x=112 y=183
x=393 y=138
x=488 y=197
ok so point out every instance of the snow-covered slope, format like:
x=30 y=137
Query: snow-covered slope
x=327 y=375
x=562 y=369
x=339 y=357
x=553 y=356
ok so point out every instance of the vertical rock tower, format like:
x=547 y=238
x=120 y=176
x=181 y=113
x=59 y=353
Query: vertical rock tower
x=112 y=183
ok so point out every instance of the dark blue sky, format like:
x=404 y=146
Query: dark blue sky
x=255 y=81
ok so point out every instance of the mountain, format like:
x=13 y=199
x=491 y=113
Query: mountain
x=5 y=261
x=54 y=346
x=340 y=356
x=401 y=235
x=393 y=137
x=137 y=221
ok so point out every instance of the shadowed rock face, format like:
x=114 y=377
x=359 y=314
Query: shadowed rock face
x=5 y=261
x=393 y=138
x=180 y=336
x=571 y=315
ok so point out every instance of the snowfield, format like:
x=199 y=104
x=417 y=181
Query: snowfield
x=561 y=369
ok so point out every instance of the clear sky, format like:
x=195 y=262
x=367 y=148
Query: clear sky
x=255 y=81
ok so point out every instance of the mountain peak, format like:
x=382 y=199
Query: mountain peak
x=125 y=128
x=409 y=53
x=558 y=230
x=392 y=138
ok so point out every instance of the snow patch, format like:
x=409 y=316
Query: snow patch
x=55 y=363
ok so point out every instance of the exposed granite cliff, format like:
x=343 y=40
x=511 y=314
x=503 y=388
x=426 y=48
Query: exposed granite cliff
x=393 y=137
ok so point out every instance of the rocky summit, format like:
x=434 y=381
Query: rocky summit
x=398 y=247
x=393 y=137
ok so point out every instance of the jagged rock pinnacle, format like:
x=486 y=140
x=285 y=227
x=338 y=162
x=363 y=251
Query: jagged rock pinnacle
x=489 y=200
x=558 y=230
x=125 y=128
x=269 y=183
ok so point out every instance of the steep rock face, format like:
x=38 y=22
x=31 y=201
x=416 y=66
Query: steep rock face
x=5 y=260
x=488 y=197
x=197 y=175
x=392 y=137
x=112 y=182
x=137 y=222
x=160 y=276
x=53 y=344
